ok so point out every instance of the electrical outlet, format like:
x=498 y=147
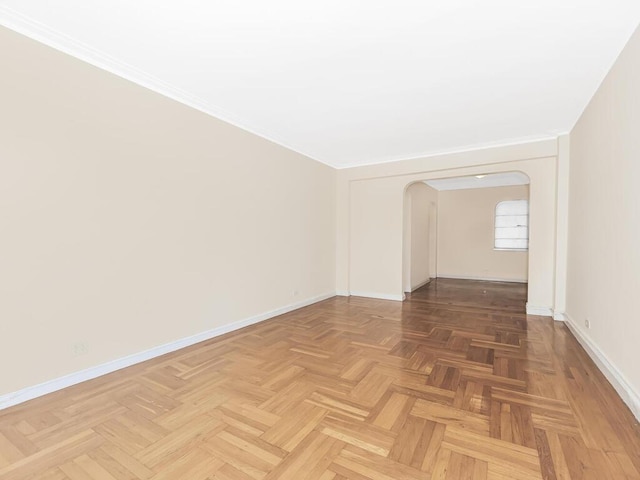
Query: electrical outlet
x=79 y=348
x=587 y=323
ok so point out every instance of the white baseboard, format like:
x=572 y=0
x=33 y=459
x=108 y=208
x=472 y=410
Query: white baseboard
x=615 y=376
x=420 y=285
x=342 y=293
x=380 y=296
x=56 y=384
x=486 y=279
x=559 y=316
x=540 y=311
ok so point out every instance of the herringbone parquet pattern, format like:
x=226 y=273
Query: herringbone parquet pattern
x=455 y=383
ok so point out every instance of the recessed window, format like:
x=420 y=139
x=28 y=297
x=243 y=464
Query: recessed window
x=512 y=225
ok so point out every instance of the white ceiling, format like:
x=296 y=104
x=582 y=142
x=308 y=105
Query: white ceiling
x=353 y=82
x=479 y=181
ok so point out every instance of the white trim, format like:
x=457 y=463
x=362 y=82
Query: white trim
x=539 y=311
x=486 y=279
x=615 y=376
x=42 y=33
x=420 y=285
x=56 y=384
x=513 y=142
x=559 y=316
x=342 y=293
x=35 y=30
x=379 y=296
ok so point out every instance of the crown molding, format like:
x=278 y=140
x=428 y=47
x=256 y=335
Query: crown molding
x=42 y=33
x=504 y=143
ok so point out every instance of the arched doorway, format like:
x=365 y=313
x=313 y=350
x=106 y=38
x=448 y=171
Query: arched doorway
x=451 y=229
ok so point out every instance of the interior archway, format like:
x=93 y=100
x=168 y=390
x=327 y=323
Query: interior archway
x=450 y=229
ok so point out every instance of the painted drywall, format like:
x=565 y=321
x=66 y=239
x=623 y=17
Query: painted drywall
x=419 y=254
x=604 y=220
x=466 y=235
x=370 y=216
x=130 y=220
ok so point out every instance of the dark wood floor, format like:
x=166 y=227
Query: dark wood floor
x=455 y=383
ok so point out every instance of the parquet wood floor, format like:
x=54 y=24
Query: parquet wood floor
x=455 y=383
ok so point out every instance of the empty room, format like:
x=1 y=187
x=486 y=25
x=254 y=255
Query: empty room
x=319 y=240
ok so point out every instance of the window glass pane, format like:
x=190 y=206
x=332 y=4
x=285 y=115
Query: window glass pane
x=511 y=243
x=512 y=220
x=512 y=232
x=512 y=225
x=513 y=207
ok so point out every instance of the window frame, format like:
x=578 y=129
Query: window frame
x=495 y=216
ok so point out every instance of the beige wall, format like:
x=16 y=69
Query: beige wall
x=604 y=221
x=419 y=254
x=466 y=235
x=130 y=220
x=370 y=216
